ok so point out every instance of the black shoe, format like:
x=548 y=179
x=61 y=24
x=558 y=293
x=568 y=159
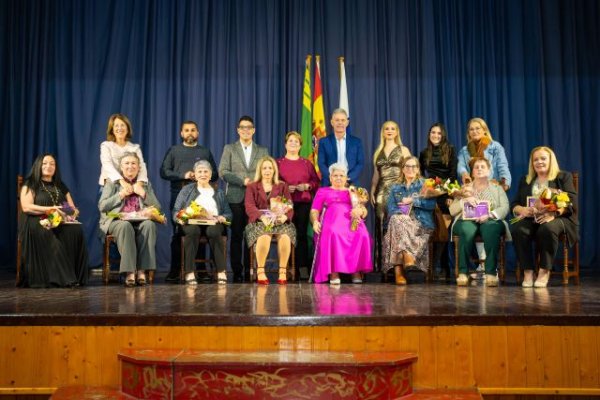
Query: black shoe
x=172 y=277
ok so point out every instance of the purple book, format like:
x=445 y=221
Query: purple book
x=474 y=212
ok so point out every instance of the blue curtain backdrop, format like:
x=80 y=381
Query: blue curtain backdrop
x=530 y=68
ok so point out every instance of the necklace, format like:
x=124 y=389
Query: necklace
x=53 y=196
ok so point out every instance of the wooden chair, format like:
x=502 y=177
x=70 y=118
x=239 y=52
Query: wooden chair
x=291 y=272
x=203 y=240
x=107 y=260
x=19 y=257
x=477 y=261
x=565 y=261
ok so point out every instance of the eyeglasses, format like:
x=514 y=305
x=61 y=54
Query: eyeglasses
x=246 y=127
x=411 y=166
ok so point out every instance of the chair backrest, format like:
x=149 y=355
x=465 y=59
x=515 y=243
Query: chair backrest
x=18 y=256
x=576 y=181
x=19 y=187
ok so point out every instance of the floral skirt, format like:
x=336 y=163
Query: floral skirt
x=405 y=233
x=256 y=229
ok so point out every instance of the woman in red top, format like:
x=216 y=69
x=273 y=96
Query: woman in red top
x=303 y=182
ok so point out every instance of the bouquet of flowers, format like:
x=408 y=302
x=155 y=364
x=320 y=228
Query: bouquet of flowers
x=358 y=196
x=151 y=213
x=553 y=200
x=278 y=206
x=451 y=188
x=433 y=187
x=549 y=200
x=51 y=219
x=193 y=211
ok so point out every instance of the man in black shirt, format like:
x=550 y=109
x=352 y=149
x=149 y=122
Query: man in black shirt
x=178 y=167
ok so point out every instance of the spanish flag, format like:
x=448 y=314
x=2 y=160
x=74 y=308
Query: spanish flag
x=318 y=114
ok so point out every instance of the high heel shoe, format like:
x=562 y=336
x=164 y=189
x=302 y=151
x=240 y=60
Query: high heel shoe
x=400 y=279
x=261 y=278
x=282 y=276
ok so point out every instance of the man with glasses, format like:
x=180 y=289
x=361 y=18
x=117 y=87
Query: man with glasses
x=178 y=168
x=237 y=169
x=342 y=148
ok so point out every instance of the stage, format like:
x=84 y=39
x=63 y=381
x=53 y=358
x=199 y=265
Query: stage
x=503 y=340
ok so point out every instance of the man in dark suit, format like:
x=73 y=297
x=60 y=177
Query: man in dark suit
x=237 y=169
x=178 y=168
x=341 y=148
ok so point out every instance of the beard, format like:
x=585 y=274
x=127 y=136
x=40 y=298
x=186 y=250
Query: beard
x=190 y=140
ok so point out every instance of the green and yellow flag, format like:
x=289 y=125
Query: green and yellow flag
x=306 y=128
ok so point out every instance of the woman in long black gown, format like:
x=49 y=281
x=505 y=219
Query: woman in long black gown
x=53 y=257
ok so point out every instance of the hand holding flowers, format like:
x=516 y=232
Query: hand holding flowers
x=545 y=208
x=359 y=197
x=276 y=214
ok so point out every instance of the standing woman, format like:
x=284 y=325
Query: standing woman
x=539 y=225
x=439 y=159
x=387 y=168
x=481 y=144
x=266 y=186
x=303 y=182
x=117 y=143
x=54 y=257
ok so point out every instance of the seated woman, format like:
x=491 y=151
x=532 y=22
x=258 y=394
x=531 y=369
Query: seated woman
x=490 y=226
x=54 y=257
x=216 y=207
x=406 y=242
x=339 y=248
x=538 y=224
x=261 y=194
x=117 y=143
x=136 y=238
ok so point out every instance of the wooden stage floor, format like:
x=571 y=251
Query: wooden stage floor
x=301 y=304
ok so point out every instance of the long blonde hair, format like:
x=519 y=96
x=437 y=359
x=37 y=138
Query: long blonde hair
x=480 y=121
x=552 y=171
x=379 y=148
x=258 y=173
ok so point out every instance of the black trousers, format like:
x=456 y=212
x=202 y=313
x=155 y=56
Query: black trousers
x=239 y=253
x=300 y=220
x=545 y=236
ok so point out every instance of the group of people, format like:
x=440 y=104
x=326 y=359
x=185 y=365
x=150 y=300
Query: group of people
x=269 y=200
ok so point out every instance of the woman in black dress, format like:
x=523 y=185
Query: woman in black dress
x=53 y=257
x=439 y=159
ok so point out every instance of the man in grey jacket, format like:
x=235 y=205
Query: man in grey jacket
x=237 y=169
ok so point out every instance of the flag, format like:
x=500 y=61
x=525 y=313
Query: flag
x=318 y=115
x=344 y=91
x=306 y=129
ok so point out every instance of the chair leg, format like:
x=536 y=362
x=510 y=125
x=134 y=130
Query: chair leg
x=106 y=266
x=431 y=256
x=502 y=259
x=253 y=265
x=293 y=262
x=565 y=263
x=576 y=261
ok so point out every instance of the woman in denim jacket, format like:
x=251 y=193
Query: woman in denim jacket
x=405 y=244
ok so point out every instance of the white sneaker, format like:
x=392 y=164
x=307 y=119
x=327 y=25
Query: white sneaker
x=462 y=280
x=491 y=280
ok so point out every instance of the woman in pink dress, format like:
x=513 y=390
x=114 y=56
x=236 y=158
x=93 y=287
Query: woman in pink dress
x=338 y=248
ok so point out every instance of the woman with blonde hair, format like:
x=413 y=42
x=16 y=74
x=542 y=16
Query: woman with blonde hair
x=260 y=194
x=481 y=144
x=537 y=223
x=387 y=159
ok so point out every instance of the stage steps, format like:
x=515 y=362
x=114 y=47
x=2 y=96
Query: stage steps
x=184 y=374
